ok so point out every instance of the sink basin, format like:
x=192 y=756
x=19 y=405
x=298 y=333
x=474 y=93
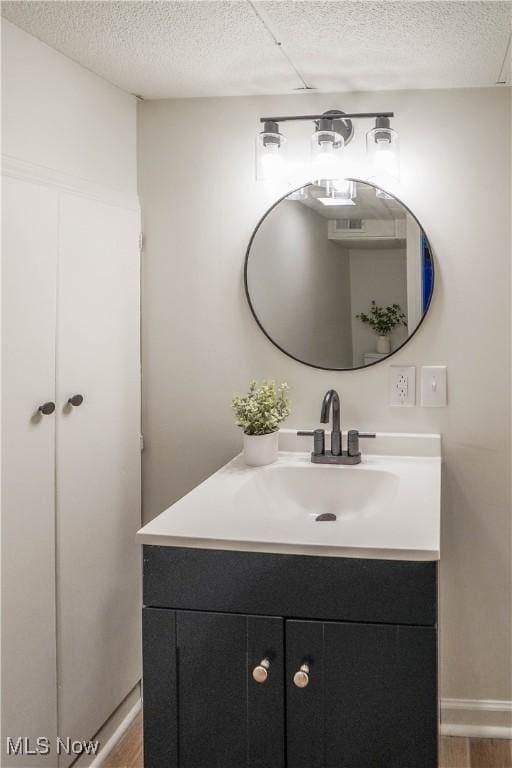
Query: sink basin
x=298 y=493
x=386 y=507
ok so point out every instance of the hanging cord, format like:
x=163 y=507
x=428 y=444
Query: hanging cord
x=305 y=86
x=504 y=77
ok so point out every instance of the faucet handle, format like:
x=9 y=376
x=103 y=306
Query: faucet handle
x=318 y=436
x=353 y=440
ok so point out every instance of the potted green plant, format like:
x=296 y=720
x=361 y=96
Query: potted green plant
x=259 y=414
x=383 y=320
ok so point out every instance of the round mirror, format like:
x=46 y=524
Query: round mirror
x=339 y=278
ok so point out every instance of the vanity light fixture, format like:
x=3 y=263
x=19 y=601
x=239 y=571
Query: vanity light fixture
x=334 y=129
x=382 y=149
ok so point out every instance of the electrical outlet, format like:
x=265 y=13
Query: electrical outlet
x=402 y=385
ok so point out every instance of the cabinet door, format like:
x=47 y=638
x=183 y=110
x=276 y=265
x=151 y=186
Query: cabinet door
x=202 y=707
x=29 y=266
x=98 y=462
x=371 y=700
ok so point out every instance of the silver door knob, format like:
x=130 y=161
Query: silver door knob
x=260 y=673
x=301 y=678
x=46 y=408
x=76 y=400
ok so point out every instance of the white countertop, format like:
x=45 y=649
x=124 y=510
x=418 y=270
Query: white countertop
x=387 y=507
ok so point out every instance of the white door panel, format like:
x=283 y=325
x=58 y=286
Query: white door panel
x=29 y=262
x=98 y=462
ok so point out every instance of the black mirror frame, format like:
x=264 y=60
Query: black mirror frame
x=322 y=367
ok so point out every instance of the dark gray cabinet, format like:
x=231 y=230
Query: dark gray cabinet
x=371 y=693
x=371 y=697
x=202 y=707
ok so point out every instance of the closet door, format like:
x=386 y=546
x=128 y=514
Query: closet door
x=29 y=261
x=98 y=462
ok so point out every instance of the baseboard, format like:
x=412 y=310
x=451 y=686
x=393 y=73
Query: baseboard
x=473 y=718
x=117 y=735
x=476 y=718
x=477 y=731
x=111 y=733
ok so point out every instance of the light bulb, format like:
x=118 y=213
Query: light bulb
x=270 y=153
x=272 y=161
x=382 y=149
x=326 y=153
x=386 y=160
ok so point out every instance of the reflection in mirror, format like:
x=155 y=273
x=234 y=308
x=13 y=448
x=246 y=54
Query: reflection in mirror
x=339 y=279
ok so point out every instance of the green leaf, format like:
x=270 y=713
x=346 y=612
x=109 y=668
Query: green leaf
x=263 y=408
x=383 y=319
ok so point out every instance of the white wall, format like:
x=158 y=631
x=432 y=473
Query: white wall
x=200 y=342
x=378 y=275
x=59 y=115
x=291 y=265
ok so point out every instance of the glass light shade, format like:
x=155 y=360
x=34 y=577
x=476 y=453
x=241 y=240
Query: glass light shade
x=270 y=156
x=326 y=157
x=383 y=153
x=341 y=189
x=338 y=192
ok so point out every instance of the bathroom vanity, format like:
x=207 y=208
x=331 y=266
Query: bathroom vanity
x=273 y=639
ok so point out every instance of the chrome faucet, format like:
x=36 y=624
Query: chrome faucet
x=352 y=454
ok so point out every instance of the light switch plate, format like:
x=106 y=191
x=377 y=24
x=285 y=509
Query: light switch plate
x=402 y=385
x=433 y=386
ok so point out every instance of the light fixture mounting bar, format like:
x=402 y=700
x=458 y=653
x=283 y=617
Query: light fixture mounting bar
x=326 y=115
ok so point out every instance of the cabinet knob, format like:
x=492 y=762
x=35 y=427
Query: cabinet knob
x=301 y=678
x=46 y=408
x=76 y=400
x=260 y=673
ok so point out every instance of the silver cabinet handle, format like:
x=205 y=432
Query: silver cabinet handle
x=76 y=400
x=260 y=673
x=46 y=408
x=301 y=678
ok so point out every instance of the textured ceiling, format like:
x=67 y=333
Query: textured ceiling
x=161 y=49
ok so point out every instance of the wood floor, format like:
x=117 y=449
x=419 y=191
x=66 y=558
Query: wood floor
x=128 y=753
x=455 y=752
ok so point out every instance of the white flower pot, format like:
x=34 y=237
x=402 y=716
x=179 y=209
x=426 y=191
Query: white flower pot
x=261 y=449
x=383 y=345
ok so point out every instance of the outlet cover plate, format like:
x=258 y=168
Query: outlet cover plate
x=402 y=385
x=433 y=386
